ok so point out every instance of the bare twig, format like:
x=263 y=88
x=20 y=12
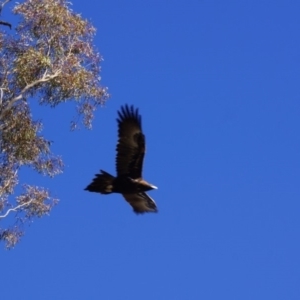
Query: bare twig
x=16 y=208
x=1 y=95
x=6 y=24
x=1 y=7
x=3 y=4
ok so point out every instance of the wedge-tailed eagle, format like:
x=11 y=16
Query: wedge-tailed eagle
x=129 y=163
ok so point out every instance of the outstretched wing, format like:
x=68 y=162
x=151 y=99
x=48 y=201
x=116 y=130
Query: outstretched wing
x=131 y=143
x=141 y=202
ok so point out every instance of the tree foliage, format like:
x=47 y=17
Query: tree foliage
x=50 y=58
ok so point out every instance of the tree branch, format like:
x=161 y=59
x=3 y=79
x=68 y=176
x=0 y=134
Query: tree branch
x=3 y=4
x=29 y=86
x=15 y=208
x=1 y=7
x=6 y=24
x=1 y=95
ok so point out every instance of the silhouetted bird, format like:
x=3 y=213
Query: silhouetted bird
x=129 y=164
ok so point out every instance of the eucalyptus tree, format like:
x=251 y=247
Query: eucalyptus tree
x=48 y=57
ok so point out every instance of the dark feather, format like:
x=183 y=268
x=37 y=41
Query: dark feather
x=131 y=143
x=141 y=202
x=103 y=183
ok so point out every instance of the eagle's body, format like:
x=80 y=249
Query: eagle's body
x=129 y=163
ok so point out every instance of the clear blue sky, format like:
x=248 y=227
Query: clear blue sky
x=217 y=83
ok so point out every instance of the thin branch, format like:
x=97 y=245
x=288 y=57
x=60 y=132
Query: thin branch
x=1 y=95
x=15 y=208
x=3 y=4
x=1 y=7
x=5 y=23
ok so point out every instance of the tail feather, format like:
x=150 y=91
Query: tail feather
x=102 y=183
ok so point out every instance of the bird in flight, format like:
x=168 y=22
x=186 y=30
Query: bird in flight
x=129 y=164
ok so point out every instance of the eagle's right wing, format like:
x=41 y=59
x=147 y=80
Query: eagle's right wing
x=141 y=202
x=131 y=143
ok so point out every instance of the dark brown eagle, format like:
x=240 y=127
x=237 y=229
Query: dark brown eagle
x=129 y=163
